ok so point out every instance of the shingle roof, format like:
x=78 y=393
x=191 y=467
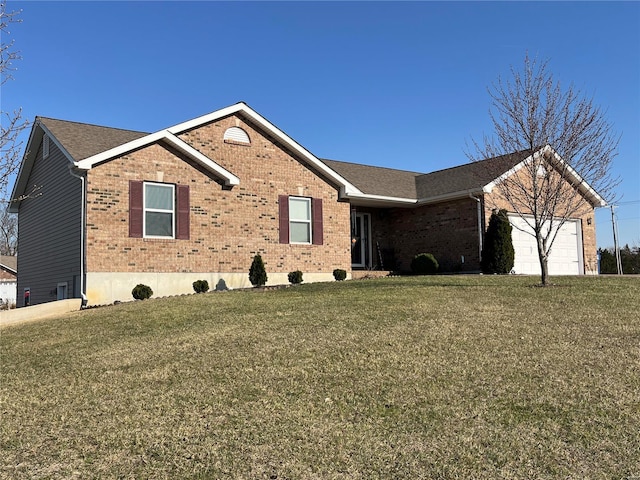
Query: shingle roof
x=9 y=261
x=389 y=182
x=386 y=182
x=470 y=176
x=83 y=140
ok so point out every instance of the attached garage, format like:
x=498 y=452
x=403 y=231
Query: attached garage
x=566 y=257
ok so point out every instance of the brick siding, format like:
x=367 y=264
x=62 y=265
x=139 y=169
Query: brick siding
x=228 y=226
x=447 y=230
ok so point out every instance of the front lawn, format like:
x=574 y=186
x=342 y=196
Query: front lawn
x=423 y=377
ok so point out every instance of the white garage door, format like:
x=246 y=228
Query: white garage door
x=566 y=253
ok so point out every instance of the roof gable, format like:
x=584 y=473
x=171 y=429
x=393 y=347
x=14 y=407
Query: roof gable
x=170 y=134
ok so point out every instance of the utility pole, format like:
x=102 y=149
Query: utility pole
x=615 y=241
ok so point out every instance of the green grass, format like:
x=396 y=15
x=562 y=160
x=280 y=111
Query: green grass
x=430 y=377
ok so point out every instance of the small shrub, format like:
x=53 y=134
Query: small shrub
x=201 y=286
x=141 y=292
x=295 y=277
x=257 y=272
x=424 y=264
x=339 y=274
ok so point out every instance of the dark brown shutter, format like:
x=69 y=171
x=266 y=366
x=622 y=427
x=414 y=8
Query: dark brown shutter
x=283 y=218
x=135 y=208
x=316 y=212
x=183 y=209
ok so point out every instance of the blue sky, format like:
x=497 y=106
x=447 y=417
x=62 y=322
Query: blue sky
x=396 y=84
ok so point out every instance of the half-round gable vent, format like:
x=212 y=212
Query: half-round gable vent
x=236 y=134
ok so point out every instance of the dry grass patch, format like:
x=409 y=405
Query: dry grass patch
x=433 y=377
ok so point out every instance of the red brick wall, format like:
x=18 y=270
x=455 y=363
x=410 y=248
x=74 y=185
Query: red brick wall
x=227 y=226
x=448 y=230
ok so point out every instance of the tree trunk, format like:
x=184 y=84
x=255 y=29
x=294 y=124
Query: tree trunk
x=542 y=255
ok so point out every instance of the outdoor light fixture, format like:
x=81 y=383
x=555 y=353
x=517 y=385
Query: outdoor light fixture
x=588 y=220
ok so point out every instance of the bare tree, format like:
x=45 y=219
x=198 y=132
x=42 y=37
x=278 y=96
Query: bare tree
x=11 y=123
x=567 y=140
x=8 y=232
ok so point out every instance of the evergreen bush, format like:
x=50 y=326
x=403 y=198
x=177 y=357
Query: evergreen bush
x=200 y=286
x=339 y=274
x=257 y=272
x=141 y=292
x=498 y=254
x=295 y=277
x=424 y=264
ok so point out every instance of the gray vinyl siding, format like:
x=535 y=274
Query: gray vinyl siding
x=49 y=229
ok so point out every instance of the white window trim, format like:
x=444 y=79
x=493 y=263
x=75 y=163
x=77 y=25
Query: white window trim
x=159 y=210
x=296 y=220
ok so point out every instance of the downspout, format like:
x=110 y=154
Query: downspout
x=82 y=233
x=479 y=203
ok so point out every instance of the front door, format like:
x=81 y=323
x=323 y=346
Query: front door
x=360 y=240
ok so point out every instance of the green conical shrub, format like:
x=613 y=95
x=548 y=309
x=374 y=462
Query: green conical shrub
x=257 y=272
x=497 y=252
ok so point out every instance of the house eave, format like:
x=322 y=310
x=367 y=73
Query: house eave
x=378 y=201
x=162 y=136
x=585 y=189
x=8 y=269
x=38 y=130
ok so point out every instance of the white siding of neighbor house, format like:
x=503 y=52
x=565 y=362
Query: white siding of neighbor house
x=8 y=291
x=49 y=229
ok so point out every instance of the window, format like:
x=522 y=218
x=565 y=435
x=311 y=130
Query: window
x=159 y=210
x=236 y=134
x=300 y=220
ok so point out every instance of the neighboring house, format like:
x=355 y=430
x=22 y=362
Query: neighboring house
x=8 y=277
x=114 y=208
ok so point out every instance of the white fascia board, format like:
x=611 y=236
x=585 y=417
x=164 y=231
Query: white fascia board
x=11 y=270
x=89 y=162
x=377 y=198
x=586 y=189
x=166 y=136
x=490 y=186
x=229 y=178
x=345 y=187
